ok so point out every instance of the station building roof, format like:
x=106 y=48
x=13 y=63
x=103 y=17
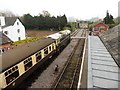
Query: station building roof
x=103 y=72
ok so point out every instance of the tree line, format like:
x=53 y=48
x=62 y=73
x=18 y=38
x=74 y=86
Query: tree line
x=44 y=21
x=109 y=20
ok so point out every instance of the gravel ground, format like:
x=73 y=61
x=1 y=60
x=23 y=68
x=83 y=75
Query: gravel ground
x=49 y=76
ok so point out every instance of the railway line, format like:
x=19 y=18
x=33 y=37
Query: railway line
x=29 y=81
x=70 y=74
x=74 y=33
x=25 y=60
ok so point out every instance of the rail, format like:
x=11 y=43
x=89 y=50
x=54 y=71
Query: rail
x=74 y=33
x=71 y=85
x=81 y=70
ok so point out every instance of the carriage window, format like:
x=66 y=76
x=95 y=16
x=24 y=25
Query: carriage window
x=50 y=48
x=13 y=69
x=27 y=60
x=38 y=57
x=46 y=51
x=9 y=71
x=28 y=63
x=12 y=77
x=16 y=67
x=6 y=73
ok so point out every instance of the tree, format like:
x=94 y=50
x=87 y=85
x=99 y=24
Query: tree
x=61 y=21
x=7 y=13
x=28 y=21
x=64 y=20
x=106 y=19
x=44 y=21
x=109 y=18
x=45 y=13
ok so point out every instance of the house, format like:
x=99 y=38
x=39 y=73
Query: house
x=13 y=28
x=99 y=27
x=5 y=42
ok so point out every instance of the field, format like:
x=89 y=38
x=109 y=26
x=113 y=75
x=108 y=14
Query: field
x=38 y=33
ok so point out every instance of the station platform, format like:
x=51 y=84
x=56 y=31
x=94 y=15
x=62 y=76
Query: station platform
x=103 y=72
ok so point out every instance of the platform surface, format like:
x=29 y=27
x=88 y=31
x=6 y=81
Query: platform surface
x=103 y=72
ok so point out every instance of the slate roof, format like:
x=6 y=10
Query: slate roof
x=9 y=21
x=4 y=39
x=103 y=72
x=110 y=38
x=101 y=23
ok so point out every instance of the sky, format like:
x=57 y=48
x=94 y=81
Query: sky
x=80 y=9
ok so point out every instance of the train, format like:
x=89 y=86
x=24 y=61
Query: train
x=17 y=64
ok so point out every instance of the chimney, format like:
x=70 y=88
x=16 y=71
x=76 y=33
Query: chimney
x=2 y=21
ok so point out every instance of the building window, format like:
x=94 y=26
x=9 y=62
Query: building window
x=6 y=32
x=19 y=38
x=18 y=30
x=17 y=23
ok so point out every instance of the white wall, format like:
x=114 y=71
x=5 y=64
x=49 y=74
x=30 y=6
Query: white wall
x=0 y=29
x=13 y=31
x=2 y=20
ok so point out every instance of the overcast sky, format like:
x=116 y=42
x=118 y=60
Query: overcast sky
x=81 y=9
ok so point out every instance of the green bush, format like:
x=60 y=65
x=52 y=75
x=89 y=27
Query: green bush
x=111 y=25
x=27 y=40
x=66 y=28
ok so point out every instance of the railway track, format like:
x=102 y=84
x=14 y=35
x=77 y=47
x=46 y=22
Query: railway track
x=70 y=74
x=74 y=33
x=28 y=82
